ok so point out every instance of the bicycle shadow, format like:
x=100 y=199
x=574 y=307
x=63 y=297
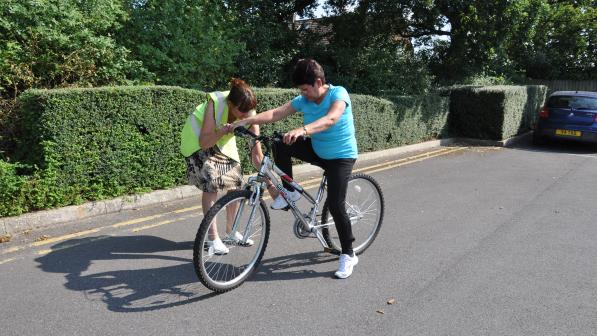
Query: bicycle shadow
x=294 y=267
x=127 y=273
x=118 y=271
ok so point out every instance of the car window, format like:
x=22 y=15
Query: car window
x=573 y=102
x=559 y=101
x=585 y=103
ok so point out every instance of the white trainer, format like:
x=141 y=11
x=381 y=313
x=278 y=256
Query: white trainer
x=347 y=263
x=238 y=238
x=281 y=204
x=217 y=246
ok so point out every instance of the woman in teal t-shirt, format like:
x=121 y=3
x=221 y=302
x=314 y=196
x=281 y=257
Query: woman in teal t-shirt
x=327 y=138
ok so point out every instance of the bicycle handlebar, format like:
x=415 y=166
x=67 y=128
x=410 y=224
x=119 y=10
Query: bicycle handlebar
x=244 y=132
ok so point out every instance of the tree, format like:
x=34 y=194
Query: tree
x=538 y=38
x=57 y=43
x=191 y=43
x=272 y=43
x=562 y=42
x=366 y=49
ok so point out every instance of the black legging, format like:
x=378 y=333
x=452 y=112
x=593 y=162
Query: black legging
x=337 y=172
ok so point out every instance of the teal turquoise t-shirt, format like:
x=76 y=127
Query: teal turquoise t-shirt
x=338 y=141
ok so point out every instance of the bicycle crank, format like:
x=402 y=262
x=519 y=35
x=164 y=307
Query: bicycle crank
x=299 y=231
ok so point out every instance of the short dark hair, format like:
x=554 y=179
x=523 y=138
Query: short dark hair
x=241 y=95
x=307 y=71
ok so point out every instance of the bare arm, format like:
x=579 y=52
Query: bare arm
x=319 y=125
x=256 y=152
x=268 y=116
x=209 y=133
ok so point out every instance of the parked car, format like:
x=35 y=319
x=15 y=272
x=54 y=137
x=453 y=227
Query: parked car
x=568 y=115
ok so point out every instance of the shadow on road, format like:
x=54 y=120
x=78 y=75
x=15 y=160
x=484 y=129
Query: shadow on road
x=128 y=274
x=558 y=146
x=296 y=266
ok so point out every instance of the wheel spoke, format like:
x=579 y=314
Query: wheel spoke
x=364 y=205
x=227 y=264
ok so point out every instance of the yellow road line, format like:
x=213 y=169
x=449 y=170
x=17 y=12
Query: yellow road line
x=391 y=164
x=6 y=260
x=306 y=184
x=404 y=163
x=60 y=238
x=197 y=207
x=66 y=246
x=137 y=220
x=153 y=225
x=50 y=241
x=13 y=249
x=410 y=159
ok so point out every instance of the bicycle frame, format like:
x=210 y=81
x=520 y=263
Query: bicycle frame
x=269 y=171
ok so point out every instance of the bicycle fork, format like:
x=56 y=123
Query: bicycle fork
x=253 y=203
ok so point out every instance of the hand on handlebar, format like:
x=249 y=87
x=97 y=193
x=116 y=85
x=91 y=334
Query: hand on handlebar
x=227 y=128
x=239 y=123
x=292 y=136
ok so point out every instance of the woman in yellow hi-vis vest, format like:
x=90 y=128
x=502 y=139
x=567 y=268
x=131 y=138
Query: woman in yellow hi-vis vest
x=213 y=163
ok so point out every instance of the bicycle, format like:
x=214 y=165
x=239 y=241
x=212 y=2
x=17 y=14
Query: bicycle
x=245 y=211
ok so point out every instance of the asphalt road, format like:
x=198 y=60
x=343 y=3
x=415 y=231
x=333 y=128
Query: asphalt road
x=481 y=241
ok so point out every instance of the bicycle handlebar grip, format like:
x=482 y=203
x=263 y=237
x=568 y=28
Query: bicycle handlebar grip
x=240 y=130
x=278 y=136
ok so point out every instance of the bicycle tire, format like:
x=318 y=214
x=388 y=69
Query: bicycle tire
x=358 y=185
x=223 y=272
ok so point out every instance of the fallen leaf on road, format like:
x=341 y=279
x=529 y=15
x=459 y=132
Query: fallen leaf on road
x=380 y=311
x=391 y=301
x=5 y=238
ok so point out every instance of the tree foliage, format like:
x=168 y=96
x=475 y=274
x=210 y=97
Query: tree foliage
x=57 y=43
x=561 y=44
x=201 y=43
x=265 y=27
x=192 y=43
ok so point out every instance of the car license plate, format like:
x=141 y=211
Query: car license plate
x=568 y=132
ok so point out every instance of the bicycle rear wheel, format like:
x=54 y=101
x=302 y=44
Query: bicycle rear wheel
x=365 y=208
x=224 y=269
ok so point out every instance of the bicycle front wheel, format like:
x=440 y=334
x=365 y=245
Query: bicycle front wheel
x=225 y=265
x=365 y=208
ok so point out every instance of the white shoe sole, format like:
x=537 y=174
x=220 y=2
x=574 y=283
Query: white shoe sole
x=346 y=275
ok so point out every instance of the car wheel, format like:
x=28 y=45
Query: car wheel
x=538 y=139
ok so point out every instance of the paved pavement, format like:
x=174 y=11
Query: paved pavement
x=477 y=241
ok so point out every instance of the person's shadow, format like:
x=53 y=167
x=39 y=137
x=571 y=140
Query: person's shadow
x=127 y=273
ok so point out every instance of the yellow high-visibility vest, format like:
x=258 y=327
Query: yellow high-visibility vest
x=189 y=138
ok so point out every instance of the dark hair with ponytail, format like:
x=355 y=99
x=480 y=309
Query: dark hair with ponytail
x=241 y=95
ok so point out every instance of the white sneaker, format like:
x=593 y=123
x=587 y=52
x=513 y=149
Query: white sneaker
x=281 y=204
x=238 y=238
x=347 y=263
x=217 y=246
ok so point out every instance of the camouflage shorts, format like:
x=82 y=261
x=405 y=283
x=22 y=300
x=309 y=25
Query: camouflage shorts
x=211 y=171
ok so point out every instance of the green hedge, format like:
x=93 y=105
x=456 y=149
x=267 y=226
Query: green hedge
x=12 y=190
x=104 y=142
x=92 y=144
x=380 y=123
x=493 y=112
